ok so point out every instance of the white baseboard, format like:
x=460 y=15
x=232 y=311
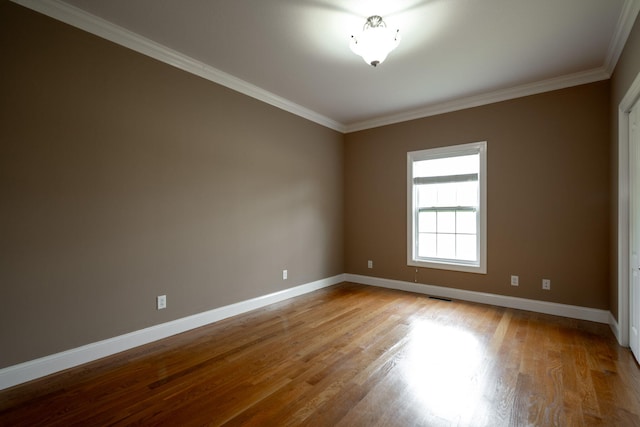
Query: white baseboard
x=571 y=311
x=27 y=371
x=615 y=328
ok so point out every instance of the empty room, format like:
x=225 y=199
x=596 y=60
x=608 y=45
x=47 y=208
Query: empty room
x=320 y=212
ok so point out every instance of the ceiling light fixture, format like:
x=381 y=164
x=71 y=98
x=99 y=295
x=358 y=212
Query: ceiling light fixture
x=375 y=42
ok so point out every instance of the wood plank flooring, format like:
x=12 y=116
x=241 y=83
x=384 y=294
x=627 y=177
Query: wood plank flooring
x=352 y=355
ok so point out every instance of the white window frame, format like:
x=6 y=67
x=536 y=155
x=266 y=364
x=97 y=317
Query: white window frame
x=412 y=240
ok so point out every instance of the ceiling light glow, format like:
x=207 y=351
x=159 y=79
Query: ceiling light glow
x=375 y=42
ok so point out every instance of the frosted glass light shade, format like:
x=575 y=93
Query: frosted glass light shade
x=375 y=42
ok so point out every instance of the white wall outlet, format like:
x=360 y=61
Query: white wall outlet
x=515 y=280
x=285 y=273
x=370 y=264
x=546 y=284
x=161 y=302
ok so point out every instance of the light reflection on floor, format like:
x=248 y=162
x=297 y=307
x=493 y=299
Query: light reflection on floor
x=442 y=368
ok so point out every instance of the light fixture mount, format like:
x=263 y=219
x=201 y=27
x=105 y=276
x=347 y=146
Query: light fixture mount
x=374 y=22
x=375 y=41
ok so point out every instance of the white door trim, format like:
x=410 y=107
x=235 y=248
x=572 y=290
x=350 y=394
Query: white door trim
x=630 y=98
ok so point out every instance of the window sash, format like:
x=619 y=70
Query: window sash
x=455 y=232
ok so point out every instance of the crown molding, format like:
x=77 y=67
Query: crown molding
x=78 y=18
x=548 y=85
x=626 y=20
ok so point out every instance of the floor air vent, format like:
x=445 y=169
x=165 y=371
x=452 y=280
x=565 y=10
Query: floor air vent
x=440 y=299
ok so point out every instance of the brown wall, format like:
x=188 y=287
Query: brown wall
x=122 y=178
x=548 y=195
x=626 y=71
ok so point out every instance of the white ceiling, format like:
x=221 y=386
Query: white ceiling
x=295 y=53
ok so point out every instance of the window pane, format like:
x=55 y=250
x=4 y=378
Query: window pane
x=466 y=247
x=427 y=222
x=427 y=195
x=466 y=222
x=459 y=165
x=447 y=194
x=446 y=222
x=468 y=193
x=427 y=245
x=446 y=246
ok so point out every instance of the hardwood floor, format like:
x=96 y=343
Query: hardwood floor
x=352 y=355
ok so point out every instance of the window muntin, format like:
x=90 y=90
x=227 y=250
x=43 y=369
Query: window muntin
x=446 y=208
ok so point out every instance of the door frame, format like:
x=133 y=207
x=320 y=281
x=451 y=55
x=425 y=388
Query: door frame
x=622 y=330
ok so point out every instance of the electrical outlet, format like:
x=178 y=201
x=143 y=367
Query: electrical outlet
x=515 y=280
x=369 y=264
x=161 y=302
x=546 y=284
x=285 y=273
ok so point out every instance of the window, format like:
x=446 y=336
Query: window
x=446 y=208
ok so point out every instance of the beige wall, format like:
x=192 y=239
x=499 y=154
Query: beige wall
x=626 y=71
x=122 y=178
x=548 y=195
